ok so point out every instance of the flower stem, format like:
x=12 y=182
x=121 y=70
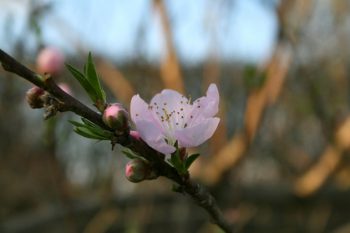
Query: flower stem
x=68 y=103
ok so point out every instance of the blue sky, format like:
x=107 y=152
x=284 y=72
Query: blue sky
x=232 y=30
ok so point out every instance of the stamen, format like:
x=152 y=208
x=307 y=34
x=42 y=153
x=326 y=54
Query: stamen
x=189 y=99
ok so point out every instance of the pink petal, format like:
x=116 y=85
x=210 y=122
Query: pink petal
x=169 y=99
x=139 y=109
x=210 y=103
x=152 y=135
x=206 y=106
x=197 y=134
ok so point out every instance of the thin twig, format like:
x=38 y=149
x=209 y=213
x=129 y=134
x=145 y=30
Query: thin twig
x=200 y=195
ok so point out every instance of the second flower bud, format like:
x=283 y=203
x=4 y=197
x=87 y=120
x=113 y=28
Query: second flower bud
x=116 y=117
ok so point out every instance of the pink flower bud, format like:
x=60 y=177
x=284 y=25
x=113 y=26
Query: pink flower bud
x=65 y=87
x=33 y=97
x=50 y=60
x=116 y=117
x=136 y=170
x=135 y=134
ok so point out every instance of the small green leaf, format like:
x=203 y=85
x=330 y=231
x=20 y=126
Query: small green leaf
x=92 y=77
x=88 y=134
x=190 y=160
x=129 y=153
x=76 y=124
x=90 y=130
x=100 y=132
x=83 y=82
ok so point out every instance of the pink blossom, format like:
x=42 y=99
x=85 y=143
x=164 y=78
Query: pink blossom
x=171 y=117
x=50 y=60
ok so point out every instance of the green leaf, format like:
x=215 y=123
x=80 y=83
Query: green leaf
x=129 y=153
x=88 y=134
x=76 y=124
x=92 y=77
x=83 y=82
x=91 y=130
x=190 y=160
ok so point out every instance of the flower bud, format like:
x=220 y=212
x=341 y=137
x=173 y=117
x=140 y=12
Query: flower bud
x=33 y=97
x=116 y=117
x=136 y=170
x=50 y=60
x=135 y=134
x=65 y=87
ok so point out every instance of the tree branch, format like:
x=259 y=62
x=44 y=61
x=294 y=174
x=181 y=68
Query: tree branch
x=68 y=103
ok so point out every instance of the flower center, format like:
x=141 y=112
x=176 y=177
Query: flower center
x=173 y=115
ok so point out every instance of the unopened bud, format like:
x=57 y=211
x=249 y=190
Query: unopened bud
x=50 y=60
x=65 y=87
x=116 y=117
x=33 y=97
x=135 y=134
x=137 y=170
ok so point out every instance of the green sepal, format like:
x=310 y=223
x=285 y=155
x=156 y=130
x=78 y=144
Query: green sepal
x=190 y=160
x=176 y=161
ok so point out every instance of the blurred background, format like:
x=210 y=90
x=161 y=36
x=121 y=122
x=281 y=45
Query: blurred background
x=279 y=161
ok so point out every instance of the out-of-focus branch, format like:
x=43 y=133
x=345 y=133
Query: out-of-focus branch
x=319 y=173
x=234 y=150
x=120 y=86
x=68 y=103
x=170 y=69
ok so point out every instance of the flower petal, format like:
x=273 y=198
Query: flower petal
x=139 y=109
x=197 y=134
x=169 y=99
x=152 y=135
x=205 y=107
x=213 y=100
